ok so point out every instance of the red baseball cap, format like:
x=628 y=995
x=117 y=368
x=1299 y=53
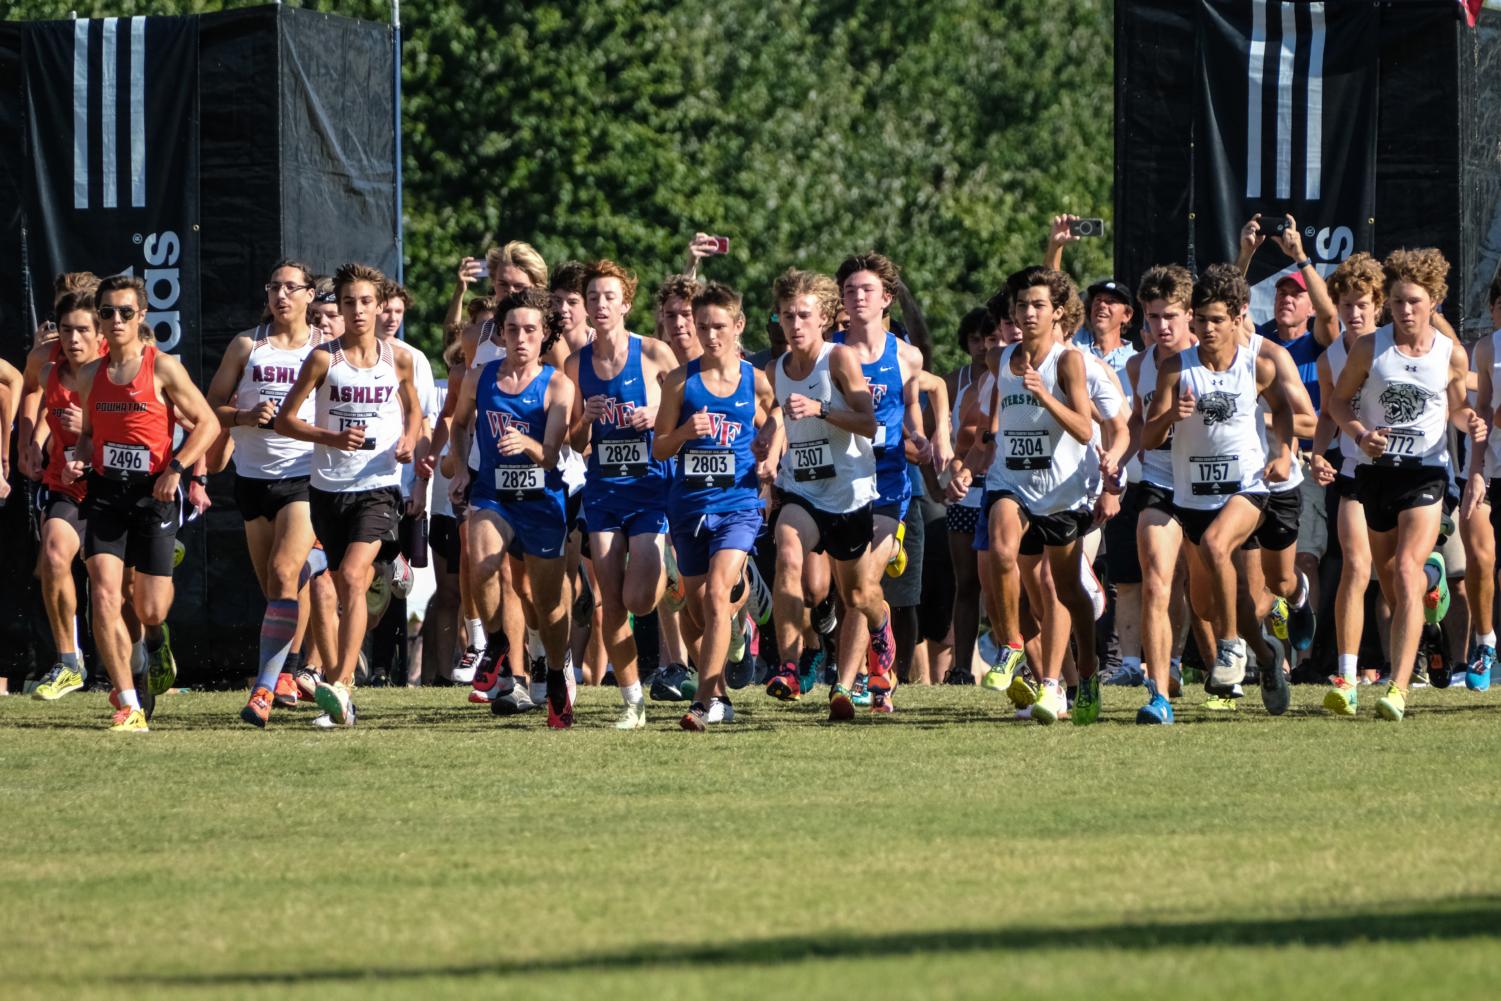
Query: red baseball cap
x=1296 y=278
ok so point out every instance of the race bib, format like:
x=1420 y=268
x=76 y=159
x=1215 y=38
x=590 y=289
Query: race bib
x=345 y=423
x=1214 y=475
x=271 y=396
x=1404 y=447
x=812 y=460
x=703 y=470
x=1028 y=449
x=880 y=439
x=126 y=461
x=520 y=482
x=623 y=456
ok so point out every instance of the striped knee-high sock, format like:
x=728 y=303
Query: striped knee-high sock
x=277 y=629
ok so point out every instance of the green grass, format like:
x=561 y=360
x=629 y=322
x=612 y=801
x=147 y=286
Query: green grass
x=939 y=853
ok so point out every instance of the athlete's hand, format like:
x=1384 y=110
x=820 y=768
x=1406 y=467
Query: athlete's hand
x=922 y=449
x=1323 y=472
x=425 y=466
x=594 y=408
x=766 y=471
x=72 y=472
x=1280 y=468
x=417 y=503
x=943 y=454
x=469 y=271
x=1186 y=403
x=511 y=442
x=263 y=413
x=1474 y=496
x=1251 y=236
x=761 y=444
x=404 y=448
x=800 y=407
x=448 y=464
x=1109 y=468
x=1032 y=380
x=166 y=485
x=458 y=486
x=198 y=497
x=32 y=460
x=1107 y=507
x=351 y=439
x=1373 y=443
x=959 y=485
x=71 y=419
x=703 y=424
x=1060 y=234
x=1478 y=429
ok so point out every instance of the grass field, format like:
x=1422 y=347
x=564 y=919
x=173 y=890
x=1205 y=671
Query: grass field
x=939 y=853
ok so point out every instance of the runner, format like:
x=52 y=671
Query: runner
x=134 y=505
x=1206 y=397
x=568 y=286
x=63 y=526
x=1480 y=513
x=1357 y=287
x=618 y=378
x=367 y=420
x=518 y=502
x=1398 y=390
x=672 y=310
x=271 y=470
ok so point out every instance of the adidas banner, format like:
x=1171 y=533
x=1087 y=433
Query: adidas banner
x=112 y=127
x=1286 y=122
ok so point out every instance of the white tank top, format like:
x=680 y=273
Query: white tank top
x=260 y=453
x=1217 y=449
x=1043 y=466
x=1295 y=475
x=969 y=389
x=366 y=397
x=831 y=468
x=1408 y=397
x=1338 y=353
x=1492 y=466
x=1156 y=463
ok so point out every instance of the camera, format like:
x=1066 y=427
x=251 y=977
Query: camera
x=1085 y=228
x=1277 y=228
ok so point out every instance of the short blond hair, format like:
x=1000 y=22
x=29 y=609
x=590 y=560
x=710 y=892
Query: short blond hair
x=794 y=284
x=519 y=255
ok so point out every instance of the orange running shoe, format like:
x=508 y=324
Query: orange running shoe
x=258 y=709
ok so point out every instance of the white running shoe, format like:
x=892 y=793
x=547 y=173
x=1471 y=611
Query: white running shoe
x=468 y=664
x=719 y=711
x=632 y=716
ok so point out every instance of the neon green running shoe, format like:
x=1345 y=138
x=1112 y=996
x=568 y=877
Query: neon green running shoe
x=1277 y=618
x=59 y=682
x=998 y=678
x=1049 y=705
x=1436 y=598
x=1087 y=705
x=1022 y=690
x=1341 y=699
x=161 y=668
x=1220 y=704
x=1393 y=705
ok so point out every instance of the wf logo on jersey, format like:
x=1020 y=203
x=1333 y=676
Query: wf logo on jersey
x=877 y=392
x=1403 y=402
x=724 y=431
x=617 y=413
x=1216 y=408
x=500 y=421
x=273 y=373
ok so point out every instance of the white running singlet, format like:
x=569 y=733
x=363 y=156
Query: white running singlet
x=1217 y=450
x=829 y=467
x=363 y=397
x=260 y=453
x=1047 y=469
x=1407 y=397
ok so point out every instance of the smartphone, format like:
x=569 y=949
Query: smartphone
x=480 y=268
x=721 y=244
x=1277 y=228
x=1085 y=228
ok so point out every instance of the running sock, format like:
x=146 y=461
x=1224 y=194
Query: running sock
x=534 y=646
x=1347 y=664
x=130 y=698
x=154 y=637
x=474 y=630
x=277 y=629
x=293 y=664
x=1051 y=683
x=138 y=657
x=557 y=689
x=631 y=694
x=71 y=660
x=1488 y=639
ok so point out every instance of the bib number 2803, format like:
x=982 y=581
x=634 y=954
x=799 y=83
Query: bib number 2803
x=705 y=469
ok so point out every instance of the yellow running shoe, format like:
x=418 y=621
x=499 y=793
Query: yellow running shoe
x=128 y=720
x=1022 y=691
x=897 y=565
x=1277 y=618
x=1220 y=704
x=1393 y=705
x=59 y=682
x=1341 y=699
x=1050 y=705
x=998 y=678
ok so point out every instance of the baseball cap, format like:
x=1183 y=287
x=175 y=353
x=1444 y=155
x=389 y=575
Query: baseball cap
x=1113 y=287
x=1296 y=277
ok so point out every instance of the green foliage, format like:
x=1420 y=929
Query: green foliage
x=944 y=134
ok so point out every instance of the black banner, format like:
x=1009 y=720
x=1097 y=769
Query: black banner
x=1285 y=122
x=112 y=126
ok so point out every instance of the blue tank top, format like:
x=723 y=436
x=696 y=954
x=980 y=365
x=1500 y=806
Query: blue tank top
x=621 y=468
x=718 y=473
x=885 y=378
x=512 y=478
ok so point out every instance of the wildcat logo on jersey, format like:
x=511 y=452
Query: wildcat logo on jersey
x=273 y=373
x=724 y=431
x=617 y=413
x=1404 y=402
x=1216 y=408
x=500 y=421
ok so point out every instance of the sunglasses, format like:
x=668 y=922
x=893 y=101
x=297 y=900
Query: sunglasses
x=290 y=288
x=126 y=312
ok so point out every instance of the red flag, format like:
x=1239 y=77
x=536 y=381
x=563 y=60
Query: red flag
x=1471 y=10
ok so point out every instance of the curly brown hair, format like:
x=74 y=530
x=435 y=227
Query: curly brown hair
x=1222 y=283
x=879 y=265
x=684 y=287
x=1425 y=266
x=1061 y=287
x=721 y=295
x=1357 y=275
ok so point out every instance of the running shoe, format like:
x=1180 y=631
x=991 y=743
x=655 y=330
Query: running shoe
x=560 y=719
x=881 y=656
x=667 y=686
x=826 y=619
x=258 y=710
x=1049 y=705
x=1157 y=712
x=59 y=682
x=161 y=671
x=1342 y=699
x=1086 y=708
x=1221 y=703
x=334 y=700
x=860 y=691
x=785 y=685
x=809 y=664
x=1276 y=696
x=1277 y=618
x=1174 y=681
x=285 y=696
x=1092 y=587
x=1022 y=690
x=325 y=722
x=468 y=666
x=719 y=711
x=841 y=706
x=760 y=594
x=881 y=686
x=741 y=666
x=143 y=696
x=129 y=720
x=1440 y=672
x=308 y=681
x=1436 y=598
x=1393 y=705
x=501 y=696
x=632 y=716
x=1004 y=669
x=696 y=719
x=1478 y=673
x=897 y=565
x=487 y=678
x=1229 y=668
x=1302 y=623
x=958 y=676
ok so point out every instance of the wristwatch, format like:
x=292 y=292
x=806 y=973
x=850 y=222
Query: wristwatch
x=1306 y=262
x=823 y=408
x=177 y=467
x=201 y=479
x=987 y=438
